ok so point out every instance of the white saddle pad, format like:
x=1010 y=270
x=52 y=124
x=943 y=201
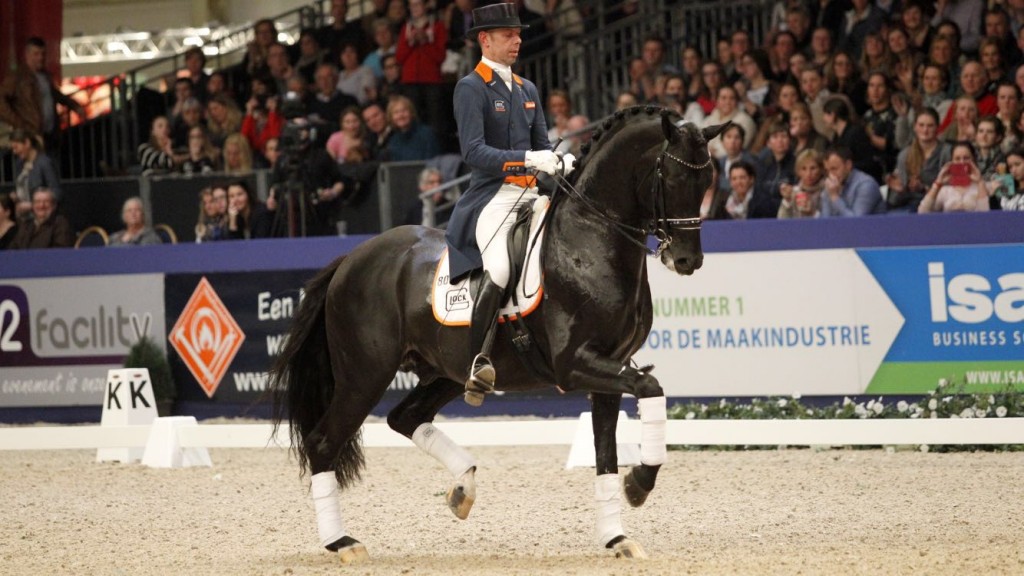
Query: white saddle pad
x=453 y=304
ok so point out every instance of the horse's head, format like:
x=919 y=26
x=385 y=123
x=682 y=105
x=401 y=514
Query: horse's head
x=684 y=173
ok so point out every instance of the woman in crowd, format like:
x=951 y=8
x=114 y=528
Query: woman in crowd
x=411 y=139
x=559 y=109
x=875 y=57
x=712 y=78
x=355 y=79
x=33 y=167
x=849 y=133
x=917 y=165
x=742 y=178
x=223 y=118
x=915 y=18
x=990 y=55
x=842 y=76
x=1013 y=199
x=8 y=220
x=988 y=137
x=261 y=123
x=421 y=51
x=801 y=129
x=727 y=110
x=947 y=195
x=191 y=116
x=783 y=46
x=350 y=136
x=311 y=54
x=932 y=94
x=202 y=157
x=692 y=61
x=247 y=217
x=732 y=144
x=135 y=232
x=941 y=53
x=157 y=153
x=965 y=118
x=803 y=199
x=213 y=210
x=756 y=90
x=905 y=60
x=237 y=155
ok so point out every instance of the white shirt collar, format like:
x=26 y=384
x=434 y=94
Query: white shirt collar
x=504 y=72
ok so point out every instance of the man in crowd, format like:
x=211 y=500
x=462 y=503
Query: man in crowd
x=848 y=191
x=46 y=228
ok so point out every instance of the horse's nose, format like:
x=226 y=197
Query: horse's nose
x=688 y=264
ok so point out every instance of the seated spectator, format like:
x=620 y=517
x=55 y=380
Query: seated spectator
x=190 y=117
x=438 y=210
x=261 y=123
x=33 y=169
x=948 y=195
x=692 y=61
x=576 y=135
x=821 y=48
x=202 y=157
x=812 y=86
x=135 y=232
x=880 y=121
x=965 y=116
x=559 y=110
x=213 y=212
x=8 y=221
x=350 y=136
x=411 y=139
x=247 y=217
x=905 y=59
x=272 y=151
x=264 y=35
x=775 y=167
x=675 y=98
x=917 y=165
x=849 y=192
x=341 y=29
x=384 y=38
x=355 y=79
x=803 y=199
x=742 y=178
x=712 y=78
x=732 y=143
x=217 y=84
x=932 y=94
x=755 y=88
x=802 y=132
x=783 y=45
x=46 y=228
x=279 y=67
x=1012 y=198
x=862 y=20
x=391 y=83
x=183 y=92
x=991 y=60
x=843 y=77
x=156 y=155
x=223 y=118
x=378 y=131
x=973 y=86
x=727 y=110
x=988 y=137
x=875 y=57
x=851 y=135
x=195 y=64
x=237 y=155
x=310 y=55
x=641 y=80
x=325 y=107
x=627 y=100
x=1007 y=102
x=916 y=17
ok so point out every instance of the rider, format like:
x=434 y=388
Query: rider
x=503 y=134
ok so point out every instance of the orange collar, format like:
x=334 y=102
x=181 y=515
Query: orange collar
x=487 y=73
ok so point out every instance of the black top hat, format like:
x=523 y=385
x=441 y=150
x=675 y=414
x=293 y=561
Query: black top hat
x=501 y=15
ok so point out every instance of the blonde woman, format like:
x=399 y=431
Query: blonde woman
x=237 y=155
x=223 y=118
x=803 y=199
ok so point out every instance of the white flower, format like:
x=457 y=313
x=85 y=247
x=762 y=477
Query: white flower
x=781 y=403
x=690 y=415
x=1001 y=411
x=946 y=399
x=924 y=448
x=933 y=404
x=980 y=412
x=915 y=415
x=859 y=410
x=943 y=382
x=796 y=396
x=934 y=415
x=991 y=399
x=967 y=413
x=902 y=406
x=847 y=401
x=810 y=412
x=878 y=407
x=722 y=403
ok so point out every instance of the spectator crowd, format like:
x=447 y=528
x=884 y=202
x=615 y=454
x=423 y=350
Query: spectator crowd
x=847 y=108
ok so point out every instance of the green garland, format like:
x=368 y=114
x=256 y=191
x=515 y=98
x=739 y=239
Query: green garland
x=945 y=401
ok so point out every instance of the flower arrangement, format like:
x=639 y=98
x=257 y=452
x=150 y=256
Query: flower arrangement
x=945 y=401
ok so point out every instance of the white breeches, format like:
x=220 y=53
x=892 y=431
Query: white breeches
x=492 y=229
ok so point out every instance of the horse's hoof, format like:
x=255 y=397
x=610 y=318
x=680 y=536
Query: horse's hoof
x=627 y=548
x=473 y=398
x=353 y=554
x=462 y=495
x=635 y=494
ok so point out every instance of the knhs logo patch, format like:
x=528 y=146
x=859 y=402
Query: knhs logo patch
x=206 y=337
x=499 y=105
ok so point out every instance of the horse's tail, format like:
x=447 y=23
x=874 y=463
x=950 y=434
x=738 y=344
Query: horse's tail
x=302 y=382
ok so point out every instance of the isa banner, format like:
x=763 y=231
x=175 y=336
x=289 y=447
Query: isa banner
x=838 y=322
x=60 y=336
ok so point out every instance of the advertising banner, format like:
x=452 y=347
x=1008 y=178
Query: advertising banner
x=59 y=336
x=839 y=322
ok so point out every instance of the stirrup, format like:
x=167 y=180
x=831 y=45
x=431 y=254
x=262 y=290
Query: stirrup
x=482 y=376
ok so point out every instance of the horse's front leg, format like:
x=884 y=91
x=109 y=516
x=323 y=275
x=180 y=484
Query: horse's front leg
x=605 y=409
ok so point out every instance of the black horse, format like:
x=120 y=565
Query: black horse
x=368 y=314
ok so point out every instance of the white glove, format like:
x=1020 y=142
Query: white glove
x=549 y=162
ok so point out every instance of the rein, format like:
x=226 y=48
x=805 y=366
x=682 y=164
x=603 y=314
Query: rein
x=661 y=225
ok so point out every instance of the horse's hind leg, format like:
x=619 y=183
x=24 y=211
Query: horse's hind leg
x=413 y=418
x=336 y=456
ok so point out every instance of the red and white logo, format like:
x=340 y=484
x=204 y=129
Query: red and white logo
x=206 y=337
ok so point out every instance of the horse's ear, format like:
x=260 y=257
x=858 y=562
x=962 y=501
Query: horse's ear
x=711 y=132
x=670 y=130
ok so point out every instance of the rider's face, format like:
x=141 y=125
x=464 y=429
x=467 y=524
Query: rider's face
x=502 y=45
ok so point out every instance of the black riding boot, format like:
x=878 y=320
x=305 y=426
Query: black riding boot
x=485 y=311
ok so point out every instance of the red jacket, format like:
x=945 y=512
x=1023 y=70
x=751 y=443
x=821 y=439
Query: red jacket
x=271 y=129
x=421 y=63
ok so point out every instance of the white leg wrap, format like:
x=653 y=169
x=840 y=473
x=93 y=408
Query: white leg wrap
x=440 y=446
x=329 y=523
x=653 y=415
x=609 y=508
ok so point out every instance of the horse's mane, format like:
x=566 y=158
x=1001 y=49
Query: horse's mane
x=613 y=123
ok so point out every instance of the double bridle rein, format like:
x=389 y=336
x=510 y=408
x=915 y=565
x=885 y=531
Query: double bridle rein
x=661 y=225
